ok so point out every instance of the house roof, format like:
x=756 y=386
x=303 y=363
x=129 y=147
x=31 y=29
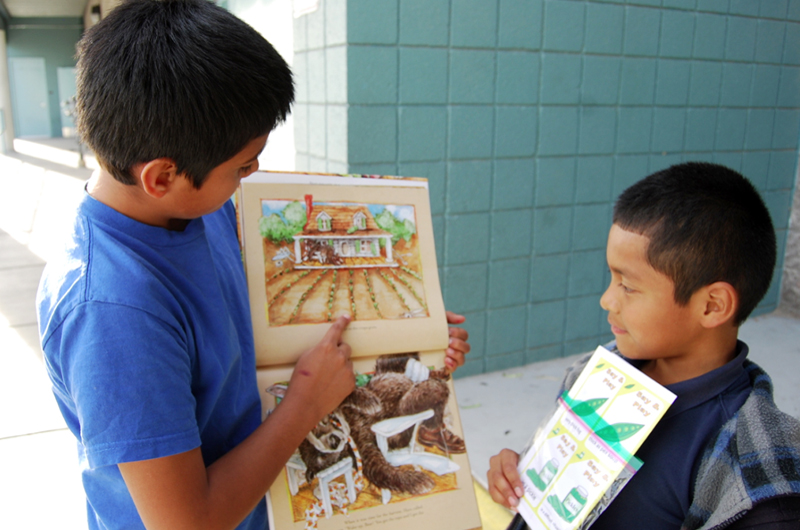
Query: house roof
x=342 y=221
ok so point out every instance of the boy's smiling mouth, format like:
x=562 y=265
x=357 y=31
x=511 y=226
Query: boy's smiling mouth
x=615 y=329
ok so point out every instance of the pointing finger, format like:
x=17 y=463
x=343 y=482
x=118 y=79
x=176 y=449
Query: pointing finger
x=334 y=334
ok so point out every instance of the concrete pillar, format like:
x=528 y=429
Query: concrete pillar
x=790 y=287
x=7 y=124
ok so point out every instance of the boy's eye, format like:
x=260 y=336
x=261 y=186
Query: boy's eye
x=626 y=289
x=245 y=169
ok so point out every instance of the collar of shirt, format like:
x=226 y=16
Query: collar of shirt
x=698 y=390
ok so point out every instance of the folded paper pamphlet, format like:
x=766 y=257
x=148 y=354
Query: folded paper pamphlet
x=582 y=454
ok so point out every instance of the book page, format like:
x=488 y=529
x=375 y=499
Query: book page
x=317 y=246
x=373 y=463
x=589 y=441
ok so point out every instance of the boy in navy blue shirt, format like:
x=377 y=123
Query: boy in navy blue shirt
x=691 y=253
x=144 y=317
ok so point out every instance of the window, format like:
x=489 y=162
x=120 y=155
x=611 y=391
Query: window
x=360 y=221
x=324 y=222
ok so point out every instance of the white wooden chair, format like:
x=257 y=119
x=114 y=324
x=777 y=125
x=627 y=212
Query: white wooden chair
x=295 y=473
x=407 y=455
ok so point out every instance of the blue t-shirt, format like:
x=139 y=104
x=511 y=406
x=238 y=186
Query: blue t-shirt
x=660 y=493
x=148 y=342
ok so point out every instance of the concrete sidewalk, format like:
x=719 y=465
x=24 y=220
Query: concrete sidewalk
x=38 y=460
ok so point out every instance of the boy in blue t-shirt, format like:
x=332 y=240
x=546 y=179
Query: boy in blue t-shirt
x=691 y=253
x=144 y=317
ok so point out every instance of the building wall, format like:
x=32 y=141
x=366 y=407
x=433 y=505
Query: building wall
x=273 y=19
x=54 y=39
x=321 y=111
x=529 y=117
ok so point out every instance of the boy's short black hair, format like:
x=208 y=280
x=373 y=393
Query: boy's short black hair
x=706 y=223
x=182 y=79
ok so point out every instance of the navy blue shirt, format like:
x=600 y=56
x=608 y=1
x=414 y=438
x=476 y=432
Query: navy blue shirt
x=659 y=495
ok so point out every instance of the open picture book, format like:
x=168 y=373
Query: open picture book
x=392 y=455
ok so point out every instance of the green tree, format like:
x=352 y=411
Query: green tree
x=388 y=222
x=295 y=215
x=409 y=229
x=273 y=228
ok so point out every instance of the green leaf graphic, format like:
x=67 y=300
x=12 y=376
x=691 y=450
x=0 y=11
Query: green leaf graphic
x=584 y=408
x=618 y=431
x=630 y=385
x=362 y=379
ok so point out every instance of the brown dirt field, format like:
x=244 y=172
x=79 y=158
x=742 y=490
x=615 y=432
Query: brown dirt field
x=275 y=286
x=408 y=301
x=315 y=307
x=411 y=300
x=364 y=308
x=281 y=310
x=341 y=299
x=389 y=303
x=407 y=254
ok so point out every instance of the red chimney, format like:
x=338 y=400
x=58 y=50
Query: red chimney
x=309 y=208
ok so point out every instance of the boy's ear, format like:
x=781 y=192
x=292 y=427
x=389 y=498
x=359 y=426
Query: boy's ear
x=158 y=176
x=719 y=304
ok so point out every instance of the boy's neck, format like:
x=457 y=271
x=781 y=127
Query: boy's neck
x=714 y=351
x=130 y=200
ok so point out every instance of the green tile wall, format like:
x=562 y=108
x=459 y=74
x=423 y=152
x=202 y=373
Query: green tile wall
x=52 y=39
x=529 y=117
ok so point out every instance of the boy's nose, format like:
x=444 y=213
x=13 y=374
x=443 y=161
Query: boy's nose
x=607 y=300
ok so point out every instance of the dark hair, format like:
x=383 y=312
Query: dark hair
x=706 y=223
x=182 y=79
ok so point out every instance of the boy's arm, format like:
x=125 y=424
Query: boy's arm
x=178 y=491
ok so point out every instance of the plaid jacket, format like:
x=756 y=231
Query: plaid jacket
x=755 y=457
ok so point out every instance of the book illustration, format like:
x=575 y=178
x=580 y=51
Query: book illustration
x=318 y=246
x=322 y=258
x=388 y=442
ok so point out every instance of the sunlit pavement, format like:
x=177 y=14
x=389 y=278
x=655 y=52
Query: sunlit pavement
x=38 y=461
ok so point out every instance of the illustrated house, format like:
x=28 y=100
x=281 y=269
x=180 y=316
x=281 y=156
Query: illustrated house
x=349 y=229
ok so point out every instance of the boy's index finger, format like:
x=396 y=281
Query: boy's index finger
x=334 y=334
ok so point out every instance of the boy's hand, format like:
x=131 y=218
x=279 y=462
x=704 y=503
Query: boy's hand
x=323 y=375
x=178 y=491
x=458 y=346
x=505 y=486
